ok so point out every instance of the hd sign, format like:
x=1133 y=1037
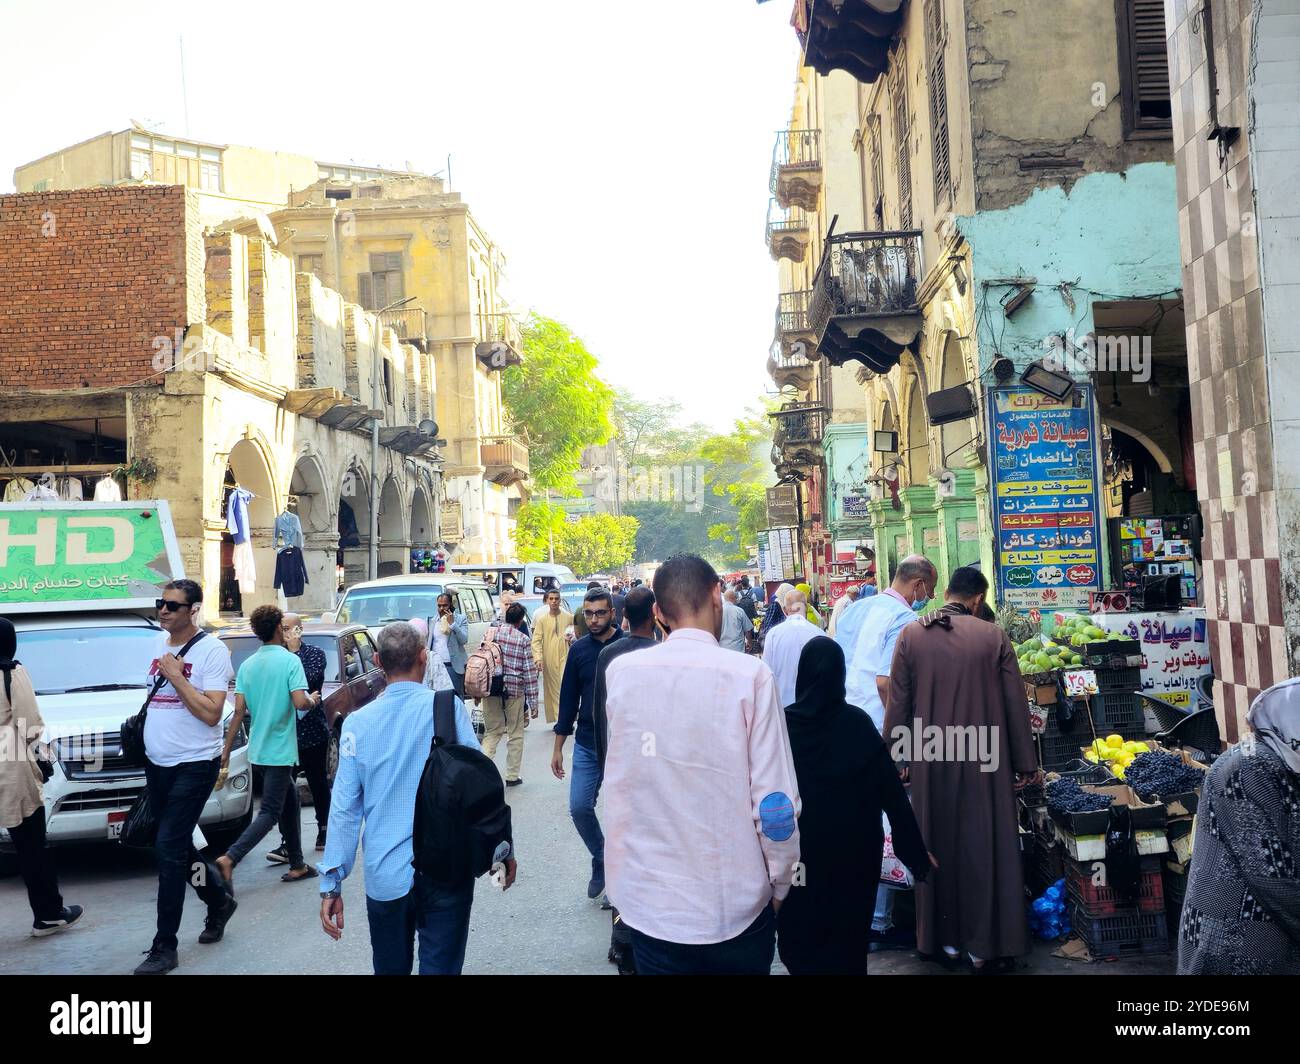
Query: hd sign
x=85 y=555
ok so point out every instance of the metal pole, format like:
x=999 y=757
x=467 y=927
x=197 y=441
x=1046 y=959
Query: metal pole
x=550 y=531
x=437 y=506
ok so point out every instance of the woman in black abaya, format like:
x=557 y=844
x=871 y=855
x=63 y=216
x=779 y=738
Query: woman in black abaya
x=846 y=778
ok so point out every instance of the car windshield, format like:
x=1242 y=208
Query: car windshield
x=60 y=660
x=242 y=647
x=376 y=606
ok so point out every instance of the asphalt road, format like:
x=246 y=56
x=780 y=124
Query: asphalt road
x=543 y=925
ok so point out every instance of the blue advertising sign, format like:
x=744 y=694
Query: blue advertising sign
x=1046 y=509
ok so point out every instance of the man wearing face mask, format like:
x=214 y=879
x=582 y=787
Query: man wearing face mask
x=884 y=617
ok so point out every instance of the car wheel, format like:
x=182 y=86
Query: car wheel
x=332 y=754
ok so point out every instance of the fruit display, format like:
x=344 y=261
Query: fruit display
x=1066 y=796
x=1157 y=773
x=1116 y=754
x=1043 y=655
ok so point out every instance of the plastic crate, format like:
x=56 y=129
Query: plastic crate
x=1121 y=936
x=1122 y=678
x=1107 y=901
x=1059 y=747
x=1046 y=867
x=1082 y=771
x=1121 y=713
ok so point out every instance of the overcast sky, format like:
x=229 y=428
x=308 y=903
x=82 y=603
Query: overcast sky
x=618 y=152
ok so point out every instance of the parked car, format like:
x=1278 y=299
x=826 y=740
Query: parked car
x=352 y=675
x=90 y=671
x=376 y=603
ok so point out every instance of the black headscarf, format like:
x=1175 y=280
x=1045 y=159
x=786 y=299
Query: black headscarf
x=819 y=683
x=820 y=720
x=8 y=648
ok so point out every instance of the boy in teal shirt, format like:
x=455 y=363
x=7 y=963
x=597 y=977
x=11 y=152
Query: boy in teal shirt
x=270 y=687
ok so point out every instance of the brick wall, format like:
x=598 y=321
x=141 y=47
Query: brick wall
x=88 y=279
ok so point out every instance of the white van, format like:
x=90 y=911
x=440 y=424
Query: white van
x=376 y=603
x=87 y=635
x=532 y=578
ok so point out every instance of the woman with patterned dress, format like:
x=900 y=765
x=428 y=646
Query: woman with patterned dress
x=1241 y=915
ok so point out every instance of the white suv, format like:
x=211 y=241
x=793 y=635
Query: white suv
x=89 y=672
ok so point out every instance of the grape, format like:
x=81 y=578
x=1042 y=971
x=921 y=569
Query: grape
x=1156 y=773
x=1066 y=796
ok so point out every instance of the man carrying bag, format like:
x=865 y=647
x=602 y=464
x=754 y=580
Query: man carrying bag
x=181 y=730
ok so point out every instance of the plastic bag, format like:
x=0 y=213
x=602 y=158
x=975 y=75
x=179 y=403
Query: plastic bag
x=892 y=870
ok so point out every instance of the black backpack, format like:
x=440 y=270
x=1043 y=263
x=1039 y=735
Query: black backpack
x=461 y=815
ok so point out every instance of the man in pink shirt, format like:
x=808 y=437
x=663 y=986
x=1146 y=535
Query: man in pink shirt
x=701 y=800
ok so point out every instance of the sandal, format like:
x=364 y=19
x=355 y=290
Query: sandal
x=293 y=875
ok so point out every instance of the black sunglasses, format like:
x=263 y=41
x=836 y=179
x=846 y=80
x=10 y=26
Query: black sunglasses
x=170 y=605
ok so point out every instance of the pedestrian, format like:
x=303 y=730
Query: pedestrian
x=1241 y=915
x=810 y=610
x=618 y=598
x=868 y=587
x=877 y=622
x=448 y=639
x=551 y=649
x=956 y=676
x=849 y=597
x=638 y=614
x=736 y=628
x=577 y=718
x=313 y=736
x=383 y=751
x=22 y=808
x=183 y=757
x=702 y=800
x=850 y=623
x=846 y=780
x=745 y=600
x=579 y=619
x=785 y=643
x=269 y=687
x=504 y=714
x=775 y=611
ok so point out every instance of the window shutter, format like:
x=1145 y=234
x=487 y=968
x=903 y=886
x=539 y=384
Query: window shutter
x=1144 y=66
x=365 y=295
x=902 y=150
x=934 y=48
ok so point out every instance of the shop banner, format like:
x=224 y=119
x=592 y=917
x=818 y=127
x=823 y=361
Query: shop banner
x=1046 y=509
x=778 y=554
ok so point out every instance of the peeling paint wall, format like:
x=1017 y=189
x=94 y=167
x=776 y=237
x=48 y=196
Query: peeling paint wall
x=1045 y=88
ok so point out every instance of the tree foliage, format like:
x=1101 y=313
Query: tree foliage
x=534 y=525
x=738 y=470
x=556 y=400
x=596 y=543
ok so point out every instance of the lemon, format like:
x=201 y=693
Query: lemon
x=1115 y=740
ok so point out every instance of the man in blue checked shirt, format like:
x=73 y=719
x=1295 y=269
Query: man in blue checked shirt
x=381 y=757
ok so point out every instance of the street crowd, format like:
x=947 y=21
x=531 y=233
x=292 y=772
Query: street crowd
x=748 y=795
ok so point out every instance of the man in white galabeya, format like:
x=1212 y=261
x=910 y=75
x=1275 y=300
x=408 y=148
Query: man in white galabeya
x=701 y=801
x=785 y=643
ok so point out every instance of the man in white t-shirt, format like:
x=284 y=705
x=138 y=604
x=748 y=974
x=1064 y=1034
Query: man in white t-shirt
x=785 y=642
x=183 y=741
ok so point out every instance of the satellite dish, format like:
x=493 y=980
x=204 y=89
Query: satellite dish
x=947 y=482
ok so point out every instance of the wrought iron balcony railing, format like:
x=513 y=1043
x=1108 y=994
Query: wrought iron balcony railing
x=799 y=423
x=410 y=323
x=795 y=149
x=866 y=275
x=792 y=311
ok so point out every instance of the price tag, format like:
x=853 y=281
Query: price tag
x=1080 y=682
x=1037 y=719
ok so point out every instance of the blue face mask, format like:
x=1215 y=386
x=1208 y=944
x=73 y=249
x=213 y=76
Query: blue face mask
x=919 y=604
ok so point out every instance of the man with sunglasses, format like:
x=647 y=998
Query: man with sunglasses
x=577 y=708
x=182 y=739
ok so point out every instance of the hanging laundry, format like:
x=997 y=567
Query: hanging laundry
x=70 y=489
x=41 y=493
x=291 y=572
x=245 y=567
x=288 y=528
x=16 y=490
x=107 y=490
x=237 y=514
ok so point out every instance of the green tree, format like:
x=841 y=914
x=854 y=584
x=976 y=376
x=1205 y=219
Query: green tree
x=535 y=523
x=739 y=471
x=596 y=543
x=557 y=402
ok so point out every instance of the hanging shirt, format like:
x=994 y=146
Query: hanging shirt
x=70 y=489
x=237 y=514
x=41 y=493
x=290 y=572
x=16 y=490
x=108 y=490
x=289 y=529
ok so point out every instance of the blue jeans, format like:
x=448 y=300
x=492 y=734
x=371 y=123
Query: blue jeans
x=883 y=918
x=438 y=916
x=178 y=794
x=749 y=953
x=584 y=787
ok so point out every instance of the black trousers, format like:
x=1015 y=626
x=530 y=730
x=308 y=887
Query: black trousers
x=36 y=864
x=311 y=763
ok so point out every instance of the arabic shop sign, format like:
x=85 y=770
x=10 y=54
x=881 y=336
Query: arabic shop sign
x=1175 y=650
x=1046 y=512
x=82 y=555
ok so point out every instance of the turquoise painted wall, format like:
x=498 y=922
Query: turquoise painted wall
x=1112 y=236
x=847 y=465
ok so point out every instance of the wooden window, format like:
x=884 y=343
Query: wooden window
x=1144 y=68
x=935 y=41
x=874 y=151
x=141 y=163
x=383 y=285
x=210 y=176
x=902 y=136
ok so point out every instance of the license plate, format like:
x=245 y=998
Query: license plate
x=115 y=822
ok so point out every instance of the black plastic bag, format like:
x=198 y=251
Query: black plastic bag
x=140 y=830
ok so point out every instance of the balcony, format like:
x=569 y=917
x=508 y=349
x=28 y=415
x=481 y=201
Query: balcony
x=849 y=35
x=501 y=344
x=505 y=459
x=863 y=306
x=798 y=433
x=797 y=168
x=788 y=235
x=790 y=369
x=410 y=324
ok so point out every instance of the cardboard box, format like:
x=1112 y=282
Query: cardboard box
x=1093 y=847
x=1143 y=815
